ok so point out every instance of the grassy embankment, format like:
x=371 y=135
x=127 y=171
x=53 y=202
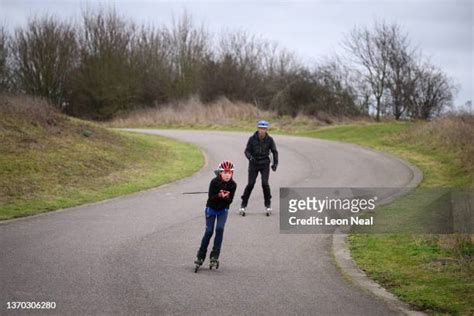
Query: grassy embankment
x=50 y=161
x=433 y=272
x=430 y=271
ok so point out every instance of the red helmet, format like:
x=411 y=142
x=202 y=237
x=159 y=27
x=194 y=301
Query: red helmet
x=225 y=165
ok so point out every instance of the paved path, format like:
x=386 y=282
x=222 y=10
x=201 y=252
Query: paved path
x=134 y=254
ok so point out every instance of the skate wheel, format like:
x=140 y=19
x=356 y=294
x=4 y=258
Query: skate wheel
x=243 y=213
x=196 y=269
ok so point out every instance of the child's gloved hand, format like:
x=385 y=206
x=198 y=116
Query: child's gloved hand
x=223 y=194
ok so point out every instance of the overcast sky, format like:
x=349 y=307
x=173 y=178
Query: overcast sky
x=442 y=29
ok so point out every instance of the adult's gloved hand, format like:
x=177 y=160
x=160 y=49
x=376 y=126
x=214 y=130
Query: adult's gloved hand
x=274 y=167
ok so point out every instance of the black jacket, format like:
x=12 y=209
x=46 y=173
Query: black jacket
x=258 y=151
x=214 y=201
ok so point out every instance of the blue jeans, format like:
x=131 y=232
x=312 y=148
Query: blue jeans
x=211 y=218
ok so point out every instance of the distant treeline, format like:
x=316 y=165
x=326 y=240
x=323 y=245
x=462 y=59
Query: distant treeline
x=107 y=65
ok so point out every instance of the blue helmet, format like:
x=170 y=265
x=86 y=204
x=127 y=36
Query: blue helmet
x=263 y=124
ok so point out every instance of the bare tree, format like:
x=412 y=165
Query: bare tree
x=3 y=59
x=357 y=86
x=432 y=92
x=189 y=49
x=43 y=56
x=335 y=77
x=402 y=75
x=106 y=81
x=280 y=69
x=246 y=53
x=364 y=98
x=247 y=68
x=370 y=50
x=107 y=65
x=152 y=57
x=277 y=61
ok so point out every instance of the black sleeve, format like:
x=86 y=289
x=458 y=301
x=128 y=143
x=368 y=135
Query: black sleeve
x=232 y=192
x=274 y=150
x=214 y=191
x=248 y=149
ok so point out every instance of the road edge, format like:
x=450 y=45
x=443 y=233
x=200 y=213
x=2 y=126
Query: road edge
x=348 y=266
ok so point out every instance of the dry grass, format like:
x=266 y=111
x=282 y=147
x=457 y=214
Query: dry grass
x=33 y=123
x=29 y=110
x=453 y=133
x=191 y=112
x=223 y=114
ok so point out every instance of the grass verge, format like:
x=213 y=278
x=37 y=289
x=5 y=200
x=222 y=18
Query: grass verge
x=431 y=272
x=50 y=161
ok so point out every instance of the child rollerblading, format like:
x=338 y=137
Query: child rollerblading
x=221 y=193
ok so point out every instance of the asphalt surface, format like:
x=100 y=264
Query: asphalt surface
x=134 y=254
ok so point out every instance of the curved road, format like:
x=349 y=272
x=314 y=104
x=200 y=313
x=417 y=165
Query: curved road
x=134 y=254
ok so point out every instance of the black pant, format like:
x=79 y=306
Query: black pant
x=254 y=169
